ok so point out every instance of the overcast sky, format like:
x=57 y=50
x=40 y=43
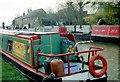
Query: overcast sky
x=10 y=8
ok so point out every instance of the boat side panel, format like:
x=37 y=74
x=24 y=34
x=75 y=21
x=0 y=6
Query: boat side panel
x=18 y=47
x=51 y=43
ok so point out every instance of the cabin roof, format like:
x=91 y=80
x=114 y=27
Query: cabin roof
x=34 y=37
x=14 y=32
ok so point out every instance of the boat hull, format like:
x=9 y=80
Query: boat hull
x=34 y=77
x=97 y=38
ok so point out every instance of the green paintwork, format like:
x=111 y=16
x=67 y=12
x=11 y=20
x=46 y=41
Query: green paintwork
x=65 y=45
x=48 y=44
x=41 y=59
x=27 y=56
x=51 y=43
x=36 y=42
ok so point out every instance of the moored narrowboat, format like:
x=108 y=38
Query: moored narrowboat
x=52 y=56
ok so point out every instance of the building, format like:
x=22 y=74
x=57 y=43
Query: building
x=32 y=19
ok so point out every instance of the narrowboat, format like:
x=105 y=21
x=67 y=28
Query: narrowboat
x=52 y=57
x=102 y=33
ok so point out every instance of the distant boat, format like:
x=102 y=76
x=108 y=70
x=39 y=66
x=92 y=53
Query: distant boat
x=104 y=33
x=51 y=56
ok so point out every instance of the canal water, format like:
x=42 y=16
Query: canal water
x=111 y=53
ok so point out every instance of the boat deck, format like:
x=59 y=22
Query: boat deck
x=74 y=67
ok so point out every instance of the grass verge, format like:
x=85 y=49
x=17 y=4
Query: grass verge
x=10 y=73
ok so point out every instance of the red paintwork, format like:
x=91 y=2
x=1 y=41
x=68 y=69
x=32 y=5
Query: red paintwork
x=32 y=53
x=22 y=64
x=34 y=37
x=69 y=36
x=63 y=33
x=62 y=30
x=9 y=55
x=105 y=30
x=114 y=31
x=100 y=30
x=92 y=68
x=95 y=49
x=28 y=37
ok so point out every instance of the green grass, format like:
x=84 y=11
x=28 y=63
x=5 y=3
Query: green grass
x=11 y=73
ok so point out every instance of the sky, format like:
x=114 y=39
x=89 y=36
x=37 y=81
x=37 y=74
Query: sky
x=9 y=9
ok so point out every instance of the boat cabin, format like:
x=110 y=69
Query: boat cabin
x=25 y=46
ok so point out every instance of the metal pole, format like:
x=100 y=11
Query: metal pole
x=81 y=13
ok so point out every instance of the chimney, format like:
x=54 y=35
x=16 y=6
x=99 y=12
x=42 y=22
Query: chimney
x=28 y=10
x=23 y=13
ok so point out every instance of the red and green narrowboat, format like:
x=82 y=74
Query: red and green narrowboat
x=52 y=56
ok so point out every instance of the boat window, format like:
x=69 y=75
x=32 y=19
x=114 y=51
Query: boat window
x=1 y=40
x=9 y=46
